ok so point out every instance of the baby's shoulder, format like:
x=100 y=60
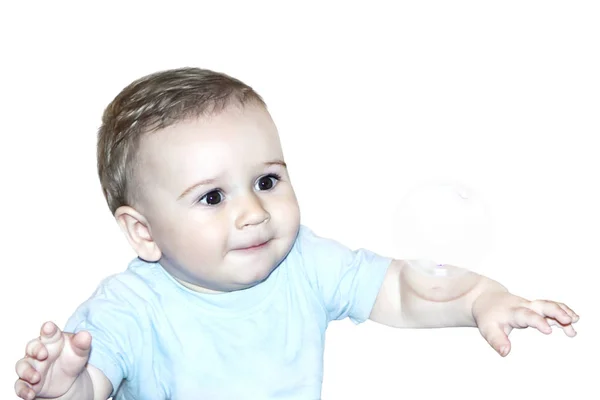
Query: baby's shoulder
x=135 y=284
x=310 y=247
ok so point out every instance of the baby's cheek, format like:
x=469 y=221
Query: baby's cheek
x=203 y=241
x=288 y=213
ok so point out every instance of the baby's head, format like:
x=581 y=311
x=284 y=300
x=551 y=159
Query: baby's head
x=192 y=168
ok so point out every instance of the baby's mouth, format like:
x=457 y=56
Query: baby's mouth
x=253 y=246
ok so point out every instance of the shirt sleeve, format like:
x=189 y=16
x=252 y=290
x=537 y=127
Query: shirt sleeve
x=347 y=281
x=112 y=320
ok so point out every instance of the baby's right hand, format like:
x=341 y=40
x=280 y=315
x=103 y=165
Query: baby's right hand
x=52 y=363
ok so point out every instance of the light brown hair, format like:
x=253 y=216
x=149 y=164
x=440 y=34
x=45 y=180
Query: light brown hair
x=155 y=102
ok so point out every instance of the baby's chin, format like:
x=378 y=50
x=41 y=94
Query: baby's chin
x=256 y=274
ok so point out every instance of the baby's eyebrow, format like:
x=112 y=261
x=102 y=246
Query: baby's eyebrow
x=195 y=185
x=276 y=162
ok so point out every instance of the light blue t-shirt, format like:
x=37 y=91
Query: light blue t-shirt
x=155 y=339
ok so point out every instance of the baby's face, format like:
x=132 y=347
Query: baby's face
x=218 y=199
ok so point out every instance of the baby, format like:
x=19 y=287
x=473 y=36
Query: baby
x=230 y=295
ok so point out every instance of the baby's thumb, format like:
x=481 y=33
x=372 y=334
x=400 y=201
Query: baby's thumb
x=81 y=344
x=496 y=338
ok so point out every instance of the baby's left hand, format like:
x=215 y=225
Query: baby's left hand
x=497 y=314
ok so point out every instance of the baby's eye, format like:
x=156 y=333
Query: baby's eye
x=267 y=182
x=212 y=198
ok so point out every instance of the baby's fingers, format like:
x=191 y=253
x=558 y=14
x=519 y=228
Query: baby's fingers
x=50 y=333
x=36 y=350
x=551 y=309
x=570 y=312
x=557 y=314
x=568 y=329
x=27 y=372
x=24 y=390
x=524 y=317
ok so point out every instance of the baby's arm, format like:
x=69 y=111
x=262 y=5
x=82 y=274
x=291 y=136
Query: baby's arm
x=409 y=298
x=55 y=367
x=412 y=299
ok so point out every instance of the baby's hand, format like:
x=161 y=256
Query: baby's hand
x=52 y=363
x=497 y=314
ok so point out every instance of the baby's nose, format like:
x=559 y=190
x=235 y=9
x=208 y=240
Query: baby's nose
x=251 y=212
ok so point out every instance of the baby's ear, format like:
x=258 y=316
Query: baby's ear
x=136 y=229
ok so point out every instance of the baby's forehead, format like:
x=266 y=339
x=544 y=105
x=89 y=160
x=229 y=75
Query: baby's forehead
x=228 y=140
x=235 y=123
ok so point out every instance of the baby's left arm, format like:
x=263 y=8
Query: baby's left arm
x=411 y=299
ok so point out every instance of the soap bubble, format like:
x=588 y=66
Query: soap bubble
x=443 y=228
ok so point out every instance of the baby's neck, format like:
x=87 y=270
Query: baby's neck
x=197 y=288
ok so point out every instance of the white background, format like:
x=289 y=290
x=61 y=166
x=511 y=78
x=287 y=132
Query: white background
x=369 y=100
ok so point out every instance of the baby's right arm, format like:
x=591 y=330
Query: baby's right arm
x=55 y=367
